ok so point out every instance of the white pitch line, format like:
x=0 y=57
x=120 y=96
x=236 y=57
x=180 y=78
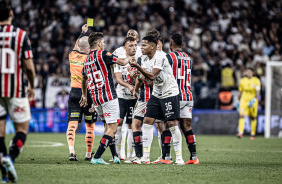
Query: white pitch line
x=232 y=150
x=45 y=144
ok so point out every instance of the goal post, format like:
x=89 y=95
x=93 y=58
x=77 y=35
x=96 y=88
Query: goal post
x=270 y=79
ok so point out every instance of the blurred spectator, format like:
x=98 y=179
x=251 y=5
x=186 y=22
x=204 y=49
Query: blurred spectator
x=62 y=100
x=239 y=33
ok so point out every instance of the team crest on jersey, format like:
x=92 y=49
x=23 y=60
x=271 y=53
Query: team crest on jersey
x=109 y=54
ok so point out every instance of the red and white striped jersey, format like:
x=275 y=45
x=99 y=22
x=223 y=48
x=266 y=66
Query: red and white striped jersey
x=145 y=91
x=97 y=67
x=181 y=66
x=14 y=46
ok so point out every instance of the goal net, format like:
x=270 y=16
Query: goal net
x=273 y=100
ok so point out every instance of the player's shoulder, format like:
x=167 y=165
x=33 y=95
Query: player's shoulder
x=243 y=79
x=255 y=79
x=119 y=51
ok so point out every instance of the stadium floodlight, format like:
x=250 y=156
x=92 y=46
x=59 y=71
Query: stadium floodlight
x=273 y=99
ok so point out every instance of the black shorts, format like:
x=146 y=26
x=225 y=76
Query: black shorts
x=166 y=109
x=75 y=111
x=126 y=107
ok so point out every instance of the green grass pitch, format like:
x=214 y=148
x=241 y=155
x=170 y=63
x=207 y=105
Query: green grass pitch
x=223 y=159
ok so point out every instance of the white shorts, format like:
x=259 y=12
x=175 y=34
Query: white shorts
x=17 y=108
x=109 y=111
x=185 y=109
x=140 y=110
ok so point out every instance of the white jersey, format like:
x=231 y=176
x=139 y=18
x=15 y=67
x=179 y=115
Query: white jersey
x=165 y=84
x=123 y=92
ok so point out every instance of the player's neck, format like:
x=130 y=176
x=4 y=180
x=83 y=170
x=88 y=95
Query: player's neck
x=127 y=55
x=6 y=22
x=95 y=48
x=176 y=49
x=151 y=54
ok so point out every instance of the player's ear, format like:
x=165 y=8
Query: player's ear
x=11 y=14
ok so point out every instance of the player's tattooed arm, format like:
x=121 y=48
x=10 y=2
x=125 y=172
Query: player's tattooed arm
x=149 y=75
x=83 y=100
x=122 y=82
x=84 y=30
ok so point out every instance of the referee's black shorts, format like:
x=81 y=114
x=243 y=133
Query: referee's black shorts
x=75 y=111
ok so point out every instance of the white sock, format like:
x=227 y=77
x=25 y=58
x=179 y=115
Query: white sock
x=88 y=154
x=71 y=149
x=123 y=139
x=129 y=143
x=147 y=139
x=177 y=141
x=118 y=140
x=160 y=141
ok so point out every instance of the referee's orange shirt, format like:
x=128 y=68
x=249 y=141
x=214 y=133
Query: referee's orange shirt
x=76 y=60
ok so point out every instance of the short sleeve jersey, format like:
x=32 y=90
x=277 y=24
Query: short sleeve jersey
x=97 y=67
x=165 y=84
x=248 y=87
x=123 y=92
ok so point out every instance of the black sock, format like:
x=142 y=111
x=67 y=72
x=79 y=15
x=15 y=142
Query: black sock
x=138 y=146
x=3 y=152
x=103 y=145
x=17 y=145
x=112 y=146
x=166 y=144
x=191 y=143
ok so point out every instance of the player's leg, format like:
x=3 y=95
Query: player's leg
x=118 y=136
x=111 y=115
x=123 y=139
x=129 y=114
x=160 y=127
x=243 y=111
x=170 y=111
x=253 y=115
x=137 y=122
x=3 y=149
x=153 y=112
x=74 y=117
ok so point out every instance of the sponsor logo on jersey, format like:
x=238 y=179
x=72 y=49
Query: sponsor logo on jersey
x=107 y=115
x=109 y=54
x=19 y=109
x=75 y=114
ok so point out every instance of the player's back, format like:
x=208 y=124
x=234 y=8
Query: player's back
x=100 y=80
x=76 y=60
x=249 y=88
x=181 y=66
x=14 y=46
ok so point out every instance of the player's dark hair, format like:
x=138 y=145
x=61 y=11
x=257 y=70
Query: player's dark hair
x=128 y=39
x=94 y=38
x=250 y=68
x=177 y=39
x=151 y=39
x=154 y=33
x=161 y=39
x=5 y=7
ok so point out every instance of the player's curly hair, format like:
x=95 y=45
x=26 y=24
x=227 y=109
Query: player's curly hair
x=94 y=38
x=154 y=33
x=5 y=7
x=177 y=39
x=128 y=39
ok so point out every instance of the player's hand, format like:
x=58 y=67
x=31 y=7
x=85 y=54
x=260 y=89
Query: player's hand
x=131 y=88
x=83 y=101
x=92 y=109
x=30 y=93
x=84 y=28
x=252 y=102
x=135 y=94
x=149 y=82
x=133 y=62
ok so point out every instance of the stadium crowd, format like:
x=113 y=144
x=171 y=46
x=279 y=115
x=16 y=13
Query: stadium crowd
x=219 y=35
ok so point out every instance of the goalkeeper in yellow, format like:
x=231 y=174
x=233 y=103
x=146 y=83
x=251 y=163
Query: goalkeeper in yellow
x=249 y=89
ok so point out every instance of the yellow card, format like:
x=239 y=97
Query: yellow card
x=90 y=22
